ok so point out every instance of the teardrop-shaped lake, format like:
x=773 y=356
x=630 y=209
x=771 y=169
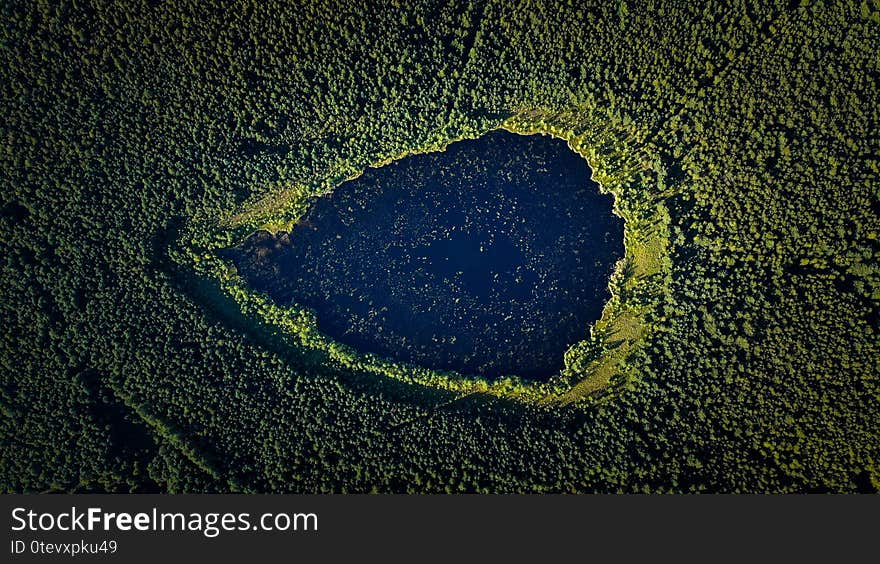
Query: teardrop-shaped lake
x=491 y=257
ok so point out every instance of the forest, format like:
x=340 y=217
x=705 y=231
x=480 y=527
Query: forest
x=738 y=351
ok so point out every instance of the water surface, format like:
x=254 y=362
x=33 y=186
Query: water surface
x=491 y=257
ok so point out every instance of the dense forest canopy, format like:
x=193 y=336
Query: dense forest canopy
x=740 y=142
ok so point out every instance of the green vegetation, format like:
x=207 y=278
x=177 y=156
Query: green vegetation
x=739 y=352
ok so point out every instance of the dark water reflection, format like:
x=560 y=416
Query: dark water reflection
x=489 y=258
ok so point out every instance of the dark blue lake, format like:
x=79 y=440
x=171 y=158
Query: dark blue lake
x=489 y=258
